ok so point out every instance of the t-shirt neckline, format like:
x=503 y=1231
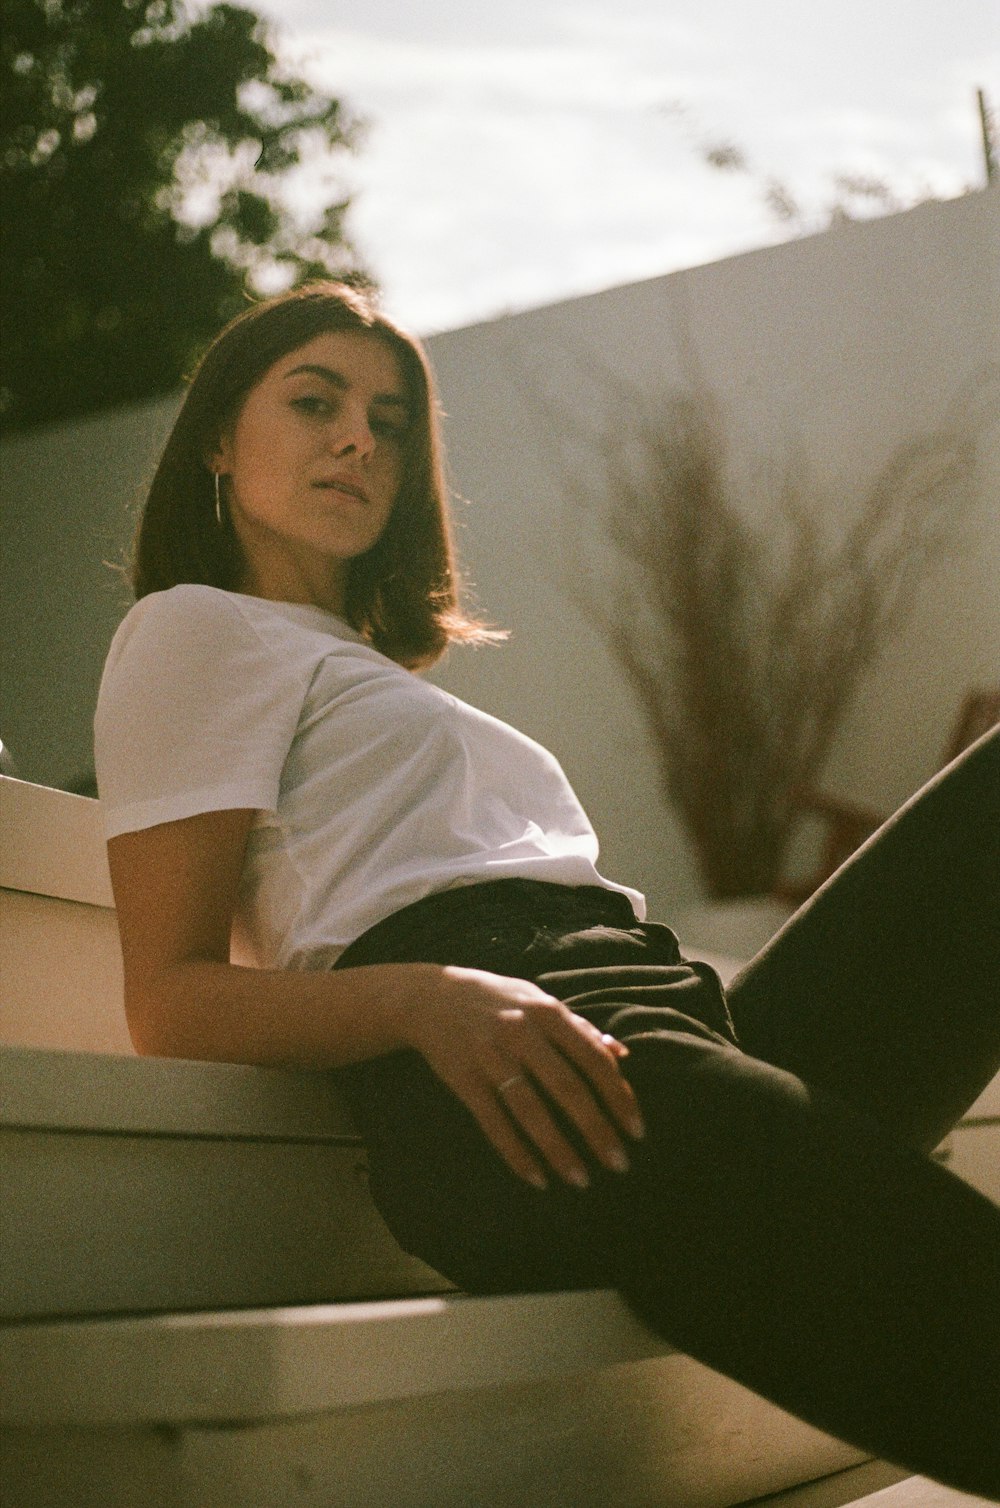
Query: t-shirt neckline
x=308 y=613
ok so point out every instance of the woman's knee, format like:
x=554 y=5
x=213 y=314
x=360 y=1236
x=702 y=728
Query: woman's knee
x=712 y=1111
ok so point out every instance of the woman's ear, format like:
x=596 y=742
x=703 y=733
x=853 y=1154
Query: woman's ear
x=219 y=457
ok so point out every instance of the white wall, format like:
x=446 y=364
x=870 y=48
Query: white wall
x=68 y=496
x=851 y=342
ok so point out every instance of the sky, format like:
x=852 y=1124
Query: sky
x=517 y=152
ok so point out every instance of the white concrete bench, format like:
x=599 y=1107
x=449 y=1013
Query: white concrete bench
x=205 y=1310
x=138 y=1184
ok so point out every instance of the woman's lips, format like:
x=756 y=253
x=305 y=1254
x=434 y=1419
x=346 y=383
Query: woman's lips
x=348 y=489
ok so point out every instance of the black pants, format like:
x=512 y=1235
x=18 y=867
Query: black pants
x=781 y=1221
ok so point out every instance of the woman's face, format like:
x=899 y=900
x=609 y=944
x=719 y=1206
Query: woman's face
x=312 y=465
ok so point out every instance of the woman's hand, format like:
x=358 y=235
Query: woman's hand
x=499 y=1043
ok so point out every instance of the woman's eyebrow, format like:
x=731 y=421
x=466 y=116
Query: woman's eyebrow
x=338 y=380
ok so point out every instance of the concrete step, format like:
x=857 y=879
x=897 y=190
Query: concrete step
x=561 y=1399
x=140 y=1185
x=893 y=1489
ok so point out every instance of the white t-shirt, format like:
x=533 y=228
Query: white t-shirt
x=372 y=787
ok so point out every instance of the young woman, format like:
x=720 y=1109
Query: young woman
x=551 y=1096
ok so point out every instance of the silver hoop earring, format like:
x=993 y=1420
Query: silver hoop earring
x=218 y=499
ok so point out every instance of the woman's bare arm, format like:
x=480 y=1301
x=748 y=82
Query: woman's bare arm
x=175 y=889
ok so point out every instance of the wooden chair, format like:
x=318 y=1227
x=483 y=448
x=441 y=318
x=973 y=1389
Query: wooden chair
x=847 y=825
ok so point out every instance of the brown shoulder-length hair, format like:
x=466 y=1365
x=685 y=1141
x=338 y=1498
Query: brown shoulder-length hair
x=403 y=593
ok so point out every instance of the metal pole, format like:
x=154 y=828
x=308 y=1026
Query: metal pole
x=988 y=126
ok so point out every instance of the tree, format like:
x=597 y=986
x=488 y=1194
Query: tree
x=854 y=195
x=145 y=160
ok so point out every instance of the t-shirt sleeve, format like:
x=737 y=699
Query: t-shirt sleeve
x=196 y=712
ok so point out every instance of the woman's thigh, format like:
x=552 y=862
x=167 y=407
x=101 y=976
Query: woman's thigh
x=885 y=987
x=443 y=1190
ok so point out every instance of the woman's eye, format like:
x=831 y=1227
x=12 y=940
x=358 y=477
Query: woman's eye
x=311 y=403
x=388 y=429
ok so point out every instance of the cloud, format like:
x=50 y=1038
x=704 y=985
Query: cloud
x=581 y=74
x=507 y=165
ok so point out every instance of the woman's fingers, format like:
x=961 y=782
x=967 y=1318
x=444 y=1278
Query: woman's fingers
x=600 y=1069
x=525 y=1106
x=553 y=1058
x=516 y=1119
x=531 y=1072
x=565 y=1087
x=498 y=1128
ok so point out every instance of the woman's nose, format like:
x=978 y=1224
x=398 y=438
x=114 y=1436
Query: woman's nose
x=353 y=437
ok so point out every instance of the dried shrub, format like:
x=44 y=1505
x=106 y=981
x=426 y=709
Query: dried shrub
x=745 y=614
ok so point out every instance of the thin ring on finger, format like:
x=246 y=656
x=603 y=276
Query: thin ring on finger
x=515 y=1078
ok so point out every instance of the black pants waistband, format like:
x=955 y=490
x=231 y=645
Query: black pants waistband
x=479 y=905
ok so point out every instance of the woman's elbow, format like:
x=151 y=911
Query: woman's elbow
x=147 y=1033
x=153 y=1026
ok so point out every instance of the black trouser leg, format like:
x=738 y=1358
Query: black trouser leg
x=885 y=987
x=779 y=1235
x=769 y=1230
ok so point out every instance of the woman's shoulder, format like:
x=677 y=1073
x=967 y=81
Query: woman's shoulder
x=208 y=623
x=194 y=649
x=181 y=625
x=180 y=605
x=191 y=610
